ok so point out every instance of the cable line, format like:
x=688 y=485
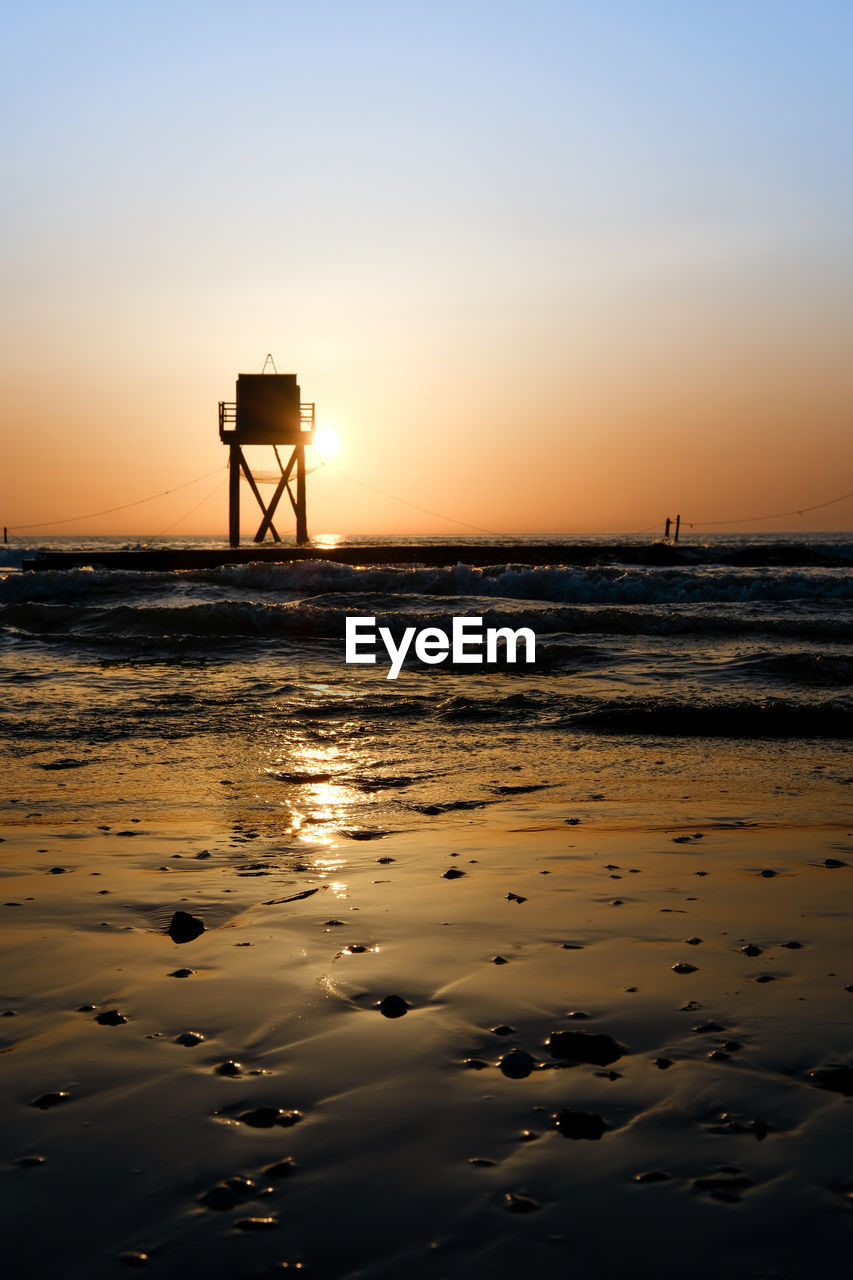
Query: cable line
x=40 y=524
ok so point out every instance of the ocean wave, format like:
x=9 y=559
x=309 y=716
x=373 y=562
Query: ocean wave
x=399 y=586
x=230 y=622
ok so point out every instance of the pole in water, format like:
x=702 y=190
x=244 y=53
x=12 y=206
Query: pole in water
x=677 y=527
x=666 y=530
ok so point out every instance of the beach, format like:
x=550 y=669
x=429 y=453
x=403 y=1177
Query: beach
x=516 y=970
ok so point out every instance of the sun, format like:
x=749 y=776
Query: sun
x=326 y=442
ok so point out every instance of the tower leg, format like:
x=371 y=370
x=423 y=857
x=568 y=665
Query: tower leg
x=301 y=502
x=234 y=495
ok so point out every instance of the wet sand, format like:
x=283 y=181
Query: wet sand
x=618 y=1049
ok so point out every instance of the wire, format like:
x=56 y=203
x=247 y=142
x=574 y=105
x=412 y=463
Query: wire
x=40 y=524
x=427 y=511
x=799 y=511
x=191 y=511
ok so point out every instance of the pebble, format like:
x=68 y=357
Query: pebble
x=30 y=1162
x=517 y=1064
x=453 y=873
x=184 y=927
x=112 y=1018
x=267 y=1117
x=833 y=863
x=133 y=1258
x=584 y=1046
x=580 y=1124
x=480 y=1162
x=519 y=1204
x=256 y=1224
x=768 y=874
x=683 y=967
x=653 y=1175
x=182 y=973
x=751 y=949
x=499 y=960
x=663 y=1064
x=515 y=897
x=48 y=1100
x=282 y=1169
x=837 y=1077
x=189 y=1038
x=693 y=942
x=393 y=1007
x=475 y=1064
x=503 y=1029
x=229 y=1068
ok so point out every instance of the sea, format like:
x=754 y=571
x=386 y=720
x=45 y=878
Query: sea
x=717 y=683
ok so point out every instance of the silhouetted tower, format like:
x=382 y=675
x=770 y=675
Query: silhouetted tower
x=267 y=410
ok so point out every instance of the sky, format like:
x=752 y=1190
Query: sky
x=544 y=267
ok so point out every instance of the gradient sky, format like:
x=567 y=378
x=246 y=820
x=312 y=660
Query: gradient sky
x=546 y=267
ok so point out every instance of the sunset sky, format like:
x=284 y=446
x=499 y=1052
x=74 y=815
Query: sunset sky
x=544 y=267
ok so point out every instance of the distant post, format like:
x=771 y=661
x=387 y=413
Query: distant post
x=677 y=527
x=268 y=410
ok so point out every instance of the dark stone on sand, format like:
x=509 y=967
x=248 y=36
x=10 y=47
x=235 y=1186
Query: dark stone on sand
x=693 y=942
x=480 y=1162
x=578 y=1015
x=706 y=1028
x=282 y=1168
x=683 y=967
x=608 y=1075
x=220 y=1198
x=584 y=1046
x=768 y=874
x=837 y=1077
x=792 y=946
x=519 y=1204
x=663 y=1064
x=133 y=1258
x=718 y=1055
x=571 y=946
x=580 y=1124
x=256 y=1224
x=393 y=1007
x=30 y=1162
x=833 y=863
x=57 y=871
x=681 y=839
x=727 y=1180
x=182 y=973
x=652 y=1175
x=189 y=1039
x=10 y=1013
x=268 y=1117
x=751 y=949
x=515 y=897
x=355 y=949
x=386 y=860
x=111 y=1018
x=499 y=960
x=205 y=853
x=229 y=1068
x=86 y=1008
x=48 y=1100
x=765 y=977
x=185 y=928
x=517 y=1064
x=690 y=1007
x=453 y=873
x=331 y=924
x=502 y=1029
x=475 y=1064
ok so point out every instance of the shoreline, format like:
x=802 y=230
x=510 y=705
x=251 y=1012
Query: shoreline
x=395 y=1110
